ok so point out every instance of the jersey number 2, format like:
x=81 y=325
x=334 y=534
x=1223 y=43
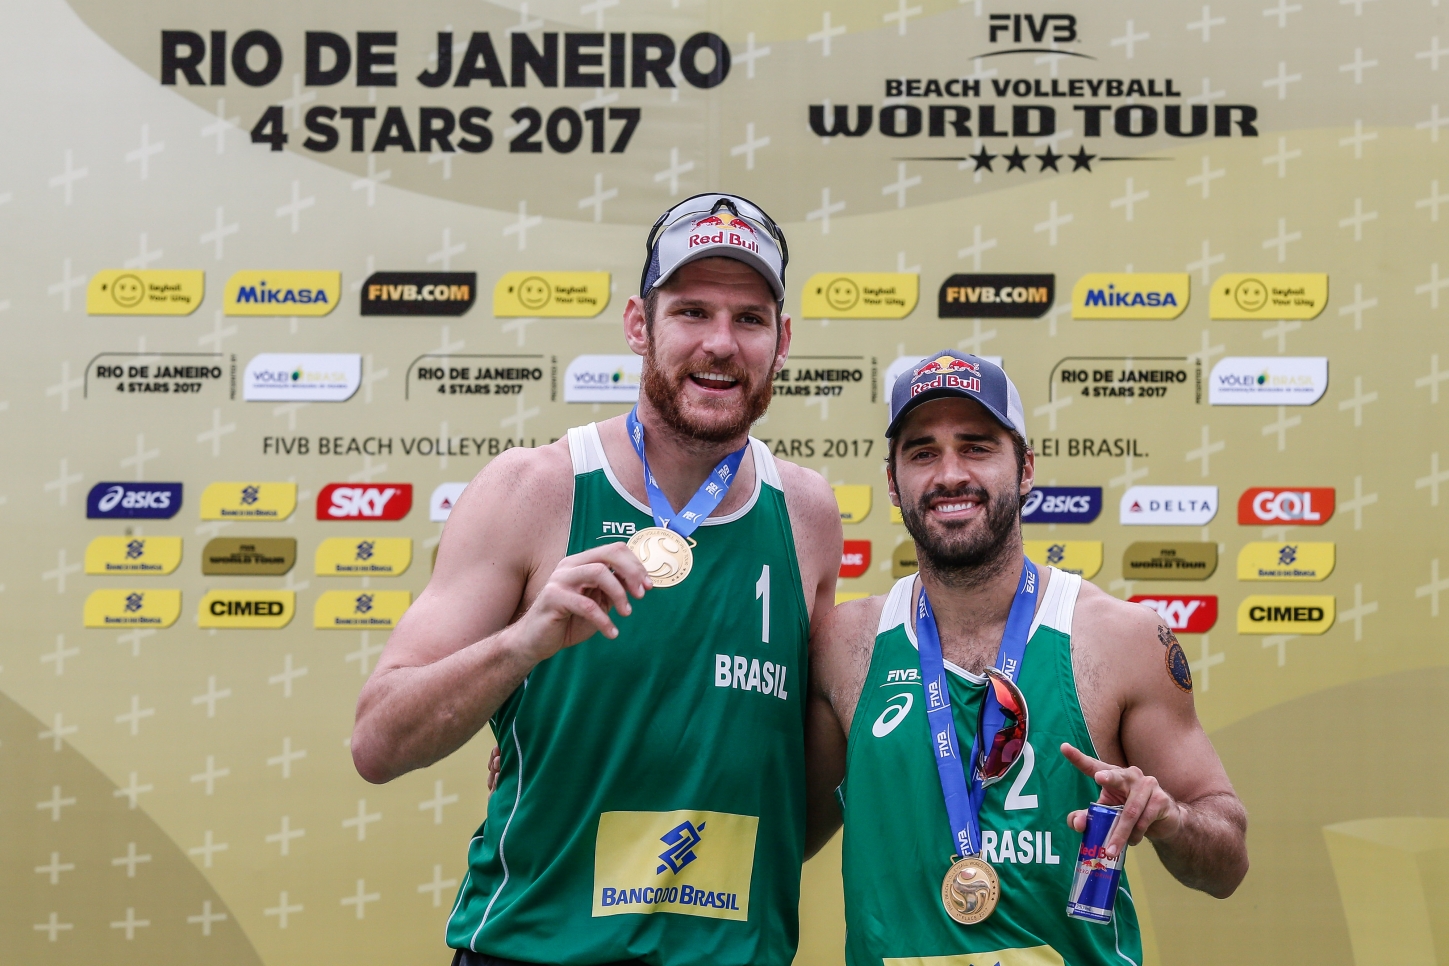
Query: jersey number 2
x=762 y=594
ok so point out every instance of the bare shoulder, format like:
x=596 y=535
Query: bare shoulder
x=1108 y=622
x=520 y=491
x=840 y=651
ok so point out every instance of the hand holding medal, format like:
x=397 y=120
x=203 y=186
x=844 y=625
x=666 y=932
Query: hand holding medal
x=665 y=549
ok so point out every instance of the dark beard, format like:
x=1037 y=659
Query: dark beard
x=664 y=391
x=957 y=557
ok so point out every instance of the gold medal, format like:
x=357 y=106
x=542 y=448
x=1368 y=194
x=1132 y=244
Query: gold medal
x=970 y=890
x=666 y=556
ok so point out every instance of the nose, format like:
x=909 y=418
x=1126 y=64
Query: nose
x=719 y=337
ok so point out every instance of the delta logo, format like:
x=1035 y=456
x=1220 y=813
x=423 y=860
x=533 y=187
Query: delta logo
x=282 y=293
x=855 y=558
x=1185 y=615
x=1309 y=506
x=373 y=501
x=945 y=373
x=732 y=231
x=1168 y=506
x=445 y=497
x=1130 y=295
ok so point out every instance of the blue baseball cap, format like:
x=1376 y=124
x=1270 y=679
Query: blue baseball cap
x=949 y=373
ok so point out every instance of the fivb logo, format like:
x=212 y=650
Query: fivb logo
x=1308 y=506
x=1062 y=504
x=145 y=501
x=1024 y=27
x=1186 y=615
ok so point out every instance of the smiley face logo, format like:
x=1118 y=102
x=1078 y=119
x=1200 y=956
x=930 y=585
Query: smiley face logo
x=128 y=291
x=842 y=294
x=534 y=293
x=1250 y=294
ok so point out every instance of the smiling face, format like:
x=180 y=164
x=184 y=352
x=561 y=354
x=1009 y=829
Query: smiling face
x=1251 y=294
x=533 y=292
x=841 y=293
x=711 y=350
x=128 y=291
x=956 y=477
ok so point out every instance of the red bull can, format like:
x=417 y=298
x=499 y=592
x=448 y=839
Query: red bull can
x=1094 y=886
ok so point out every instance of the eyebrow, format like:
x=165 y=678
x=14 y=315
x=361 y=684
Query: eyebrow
x=959 y=437
x=758 y=309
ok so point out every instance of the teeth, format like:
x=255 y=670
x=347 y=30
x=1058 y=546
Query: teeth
x=953 y=507
x=714 y=377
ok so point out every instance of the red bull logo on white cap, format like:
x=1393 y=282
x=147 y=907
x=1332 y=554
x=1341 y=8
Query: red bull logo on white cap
x=733 y=231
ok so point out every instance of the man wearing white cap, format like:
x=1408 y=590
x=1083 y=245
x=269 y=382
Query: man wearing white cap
x=984 y=704
x=629 y=609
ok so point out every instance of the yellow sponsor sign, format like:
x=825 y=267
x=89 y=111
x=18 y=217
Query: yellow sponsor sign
x=282 y=293
x=1081 y=557
x=853 y=500
x=248 y=501
x=1030 y=956
x=841 y=596
x=145 y=291
x=1181 y=560
x=360 y=610
x=132 y=608
x=1268 y=295
x=247 y=609
x=903 y=560
x=1130 y=295
x=690 y=862
x=551 y=295
x=896 y=515
x=1266 y=560
x=133 y=556
x=363 y=556
x=252 y=556
x=1285 y=614
x=860 y=295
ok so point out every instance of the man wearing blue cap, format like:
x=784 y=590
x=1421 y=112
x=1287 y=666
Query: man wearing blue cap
x=984 y=704
x=629 y=609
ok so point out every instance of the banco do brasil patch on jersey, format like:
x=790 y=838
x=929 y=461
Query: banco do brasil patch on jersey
x=687 y=861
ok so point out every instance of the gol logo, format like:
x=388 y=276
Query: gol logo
x=1310 y=506
x=1186 y=615
x=374 y=501
x=855 y=558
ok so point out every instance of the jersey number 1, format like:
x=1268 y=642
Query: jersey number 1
x=762 y=594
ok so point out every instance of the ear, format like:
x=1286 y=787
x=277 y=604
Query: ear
x=891 y=483
x=636 y=331
x=1028 y=473
x=785 y=335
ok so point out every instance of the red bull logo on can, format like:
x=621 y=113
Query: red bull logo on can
x=732 y=231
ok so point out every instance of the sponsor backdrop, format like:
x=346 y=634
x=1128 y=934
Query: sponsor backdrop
x=280 y=278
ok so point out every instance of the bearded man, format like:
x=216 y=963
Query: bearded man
x=629 y=608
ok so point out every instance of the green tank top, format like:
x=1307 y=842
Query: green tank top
x=897 y=844
x=651 y=802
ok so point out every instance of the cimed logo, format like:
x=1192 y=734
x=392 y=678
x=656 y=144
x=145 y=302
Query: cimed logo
x=133 y=602
x=680 y=843
x=250 y=494
x=1287 y=555
x=364 y=549
x=364 y=604
x=135 y=549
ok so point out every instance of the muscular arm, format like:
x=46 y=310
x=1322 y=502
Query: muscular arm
x=472 y=636
x=840 y=649
x=1163 y=769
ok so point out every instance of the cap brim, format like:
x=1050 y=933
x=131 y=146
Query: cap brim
x=729 y=251
x=931 y=395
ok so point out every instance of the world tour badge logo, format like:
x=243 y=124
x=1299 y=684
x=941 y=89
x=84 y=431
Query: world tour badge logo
x=133 y=501
x=419 y=293
x=996 y=296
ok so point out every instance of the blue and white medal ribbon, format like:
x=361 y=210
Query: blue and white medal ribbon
x=664 y=549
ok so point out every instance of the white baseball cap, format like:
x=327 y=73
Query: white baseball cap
x=713 y=226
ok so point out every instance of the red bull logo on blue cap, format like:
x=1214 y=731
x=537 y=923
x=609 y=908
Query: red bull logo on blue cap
x=946 y=371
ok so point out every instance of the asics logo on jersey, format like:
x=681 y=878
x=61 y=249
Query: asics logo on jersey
x=680 y=841
x=894 y=713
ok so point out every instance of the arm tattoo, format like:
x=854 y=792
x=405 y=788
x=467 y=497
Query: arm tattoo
x=1176 y=661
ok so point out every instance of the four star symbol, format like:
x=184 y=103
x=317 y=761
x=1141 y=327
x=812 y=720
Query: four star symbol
x=1081 y=159
x=1049 y=160
x=983 y=160
x=1016 y=161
